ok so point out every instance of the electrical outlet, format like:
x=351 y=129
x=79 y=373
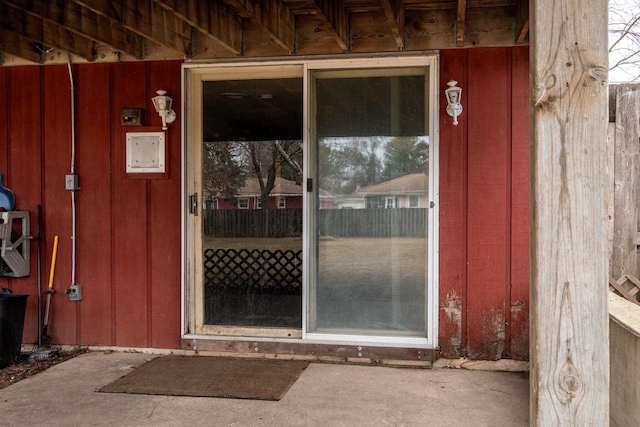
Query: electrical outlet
x=74 y=292
x=71 y=182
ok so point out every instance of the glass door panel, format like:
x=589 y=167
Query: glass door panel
x=371 y=220
x=252 y=206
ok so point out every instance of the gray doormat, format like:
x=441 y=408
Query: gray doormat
x=261 y=379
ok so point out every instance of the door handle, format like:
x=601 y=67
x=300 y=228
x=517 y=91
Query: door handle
x=193 y=204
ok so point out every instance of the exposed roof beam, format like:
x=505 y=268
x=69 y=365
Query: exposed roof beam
x=38 y=30
x=84 y=22
x=522 y=20
x=461 y=22
x=140 y=16
x=394 y=9
x=273 y=17
x=17 y=45
x=335 y=16
x=213 y=18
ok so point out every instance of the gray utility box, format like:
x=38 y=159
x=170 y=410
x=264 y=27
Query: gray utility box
x=14 y=242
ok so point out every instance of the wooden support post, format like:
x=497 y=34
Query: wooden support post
x=627 y=152
x=569 y=338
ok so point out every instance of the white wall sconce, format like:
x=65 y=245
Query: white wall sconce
x=162 y=104
x=454 y=96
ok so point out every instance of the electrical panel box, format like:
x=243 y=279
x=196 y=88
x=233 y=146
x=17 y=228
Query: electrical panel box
x=145 y=152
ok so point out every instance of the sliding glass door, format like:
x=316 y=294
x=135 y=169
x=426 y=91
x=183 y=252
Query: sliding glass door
x=371 y=158
x=249 y=179
x=312 y=201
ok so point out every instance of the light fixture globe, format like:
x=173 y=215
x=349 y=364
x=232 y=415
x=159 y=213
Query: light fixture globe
x=162 y=103
x=454 y=97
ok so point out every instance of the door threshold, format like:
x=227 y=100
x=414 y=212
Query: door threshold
x=263 y=332
x=321 y=352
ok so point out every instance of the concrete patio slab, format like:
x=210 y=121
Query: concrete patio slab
x=324 y=395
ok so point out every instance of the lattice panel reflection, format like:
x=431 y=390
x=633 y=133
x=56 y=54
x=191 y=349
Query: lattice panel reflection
x=269 y=271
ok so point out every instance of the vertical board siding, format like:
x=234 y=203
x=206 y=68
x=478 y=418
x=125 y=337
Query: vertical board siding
x=453 y=206
x=520 y=190
x=56 y=201
x=4 y=139
x=129 y=209
x=4 y=122
x=23 y=103
x=128 y=230
x=484 y=190
x=488 y=146
x=93 y=165
x=164 y=222
x=129 y=234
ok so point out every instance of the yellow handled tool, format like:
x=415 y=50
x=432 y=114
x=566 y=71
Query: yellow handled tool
x=54 y=256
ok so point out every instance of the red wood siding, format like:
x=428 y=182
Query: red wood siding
x=23 y=143
x=129 y=235
x=520 y=156
x=93 y=166
x=56 y=202
x=453 y=208
x=128 y=230
x=484 y=208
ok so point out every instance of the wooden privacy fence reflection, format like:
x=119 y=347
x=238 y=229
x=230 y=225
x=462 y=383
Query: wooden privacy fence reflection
x=399 y=222
x=253 y=223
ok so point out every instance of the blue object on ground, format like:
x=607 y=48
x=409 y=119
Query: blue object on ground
x=7 y=199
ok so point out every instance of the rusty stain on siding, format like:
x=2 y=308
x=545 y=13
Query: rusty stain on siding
x=451 y=328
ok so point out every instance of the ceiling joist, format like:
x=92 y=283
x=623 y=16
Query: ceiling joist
x=217 y=29
x=335 y=16
x=394 y=10
x=38 y=30
x=461 y=22
x=154 y=23
x=84 y=22
x=19 y=46
x=522 y=21
x=272 y=17
x=213 y=18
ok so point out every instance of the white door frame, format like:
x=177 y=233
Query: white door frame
x=194 y=74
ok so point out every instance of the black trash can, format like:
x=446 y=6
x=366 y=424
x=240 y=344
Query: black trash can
x=12 y=310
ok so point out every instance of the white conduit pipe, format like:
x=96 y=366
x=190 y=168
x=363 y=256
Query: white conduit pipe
x=73 y=169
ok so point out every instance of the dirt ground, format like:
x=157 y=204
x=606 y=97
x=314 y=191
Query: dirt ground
x=25 y=368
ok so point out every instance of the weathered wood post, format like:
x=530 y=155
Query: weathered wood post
x=627 y=152
x=569 y=319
